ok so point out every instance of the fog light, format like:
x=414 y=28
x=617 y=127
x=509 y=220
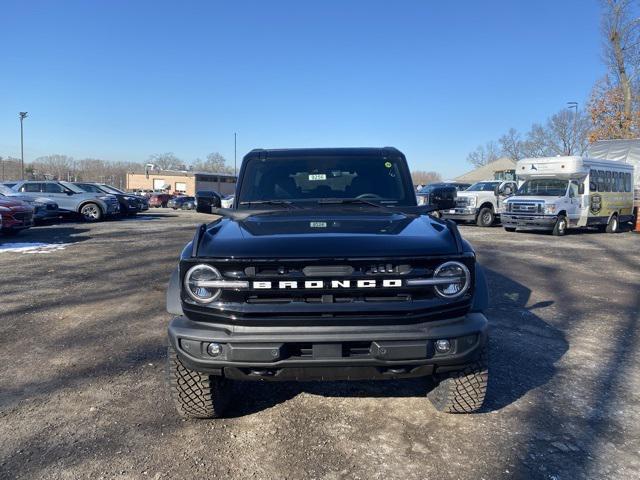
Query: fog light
x=443 y=346
x=214 y=349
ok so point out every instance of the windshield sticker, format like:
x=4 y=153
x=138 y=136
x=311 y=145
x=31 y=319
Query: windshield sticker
x=317 y=176
x=387 y=164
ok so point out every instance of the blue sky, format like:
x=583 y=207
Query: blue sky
x=122 y=80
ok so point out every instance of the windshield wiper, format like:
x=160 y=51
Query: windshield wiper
x=286 y=203
x=344 y=201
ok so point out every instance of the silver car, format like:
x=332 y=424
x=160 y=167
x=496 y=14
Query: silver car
x=92 y=207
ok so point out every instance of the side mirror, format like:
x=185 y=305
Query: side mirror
x=443 y=198
x=507 y=191
x=69 y=192
x=581 y=189
x=205 y=201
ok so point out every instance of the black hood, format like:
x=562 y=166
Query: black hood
x=327 y=234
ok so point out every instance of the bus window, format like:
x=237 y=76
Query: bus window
x=607 y=181
x=627 y=182
x=614 y=181
x=593 y=176
x=600 y=180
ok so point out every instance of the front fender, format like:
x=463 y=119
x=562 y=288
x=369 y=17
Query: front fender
x=174 y=304
x=481 y=295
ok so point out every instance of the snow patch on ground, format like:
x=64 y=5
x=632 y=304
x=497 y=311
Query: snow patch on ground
x=31 y=247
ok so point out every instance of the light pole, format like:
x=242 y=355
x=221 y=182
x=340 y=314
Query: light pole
x=574 y=105
x=23 y=115
x=235 y=152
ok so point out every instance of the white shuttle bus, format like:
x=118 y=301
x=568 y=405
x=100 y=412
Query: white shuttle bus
x=558 y=193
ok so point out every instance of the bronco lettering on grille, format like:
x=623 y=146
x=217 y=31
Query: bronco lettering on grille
x=318 y=284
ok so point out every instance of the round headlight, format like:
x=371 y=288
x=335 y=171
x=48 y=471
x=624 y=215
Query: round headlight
x=195 y=283
x=460 y=279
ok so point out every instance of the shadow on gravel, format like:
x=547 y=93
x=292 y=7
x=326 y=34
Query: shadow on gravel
x=53 y=234
x=523 y=348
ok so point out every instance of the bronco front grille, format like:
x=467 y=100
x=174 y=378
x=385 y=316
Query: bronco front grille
x=314 y=289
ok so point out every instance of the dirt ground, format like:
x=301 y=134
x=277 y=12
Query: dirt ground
x=82 y=394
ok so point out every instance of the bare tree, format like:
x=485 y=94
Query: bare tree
x=621 y=30
x=511 y=145
x=564 y=133
x=215 y=162
x=166 y=161
x=421 y=177
x=484 y=154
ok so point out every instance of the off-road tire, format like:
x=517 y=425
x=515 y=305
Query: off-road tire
x=510 y=229
x=560 y=228
x=485 y=217
x=91 y=212
x=462 y=391
x=613 y=226
x=196 y=394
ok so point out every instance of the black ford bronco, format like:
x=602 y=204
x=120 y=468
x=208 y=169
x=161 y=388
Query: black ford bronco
x=326 y=269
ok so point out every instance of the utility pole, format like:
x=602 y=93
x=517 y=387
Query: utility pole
x=574 y=105
x=23 y=115
x=235 y=153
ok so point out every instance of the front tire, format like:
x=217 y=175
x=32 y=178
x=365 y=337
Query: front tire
x=463 y=391
x=614 y=225
x=91 y=212
x=485 y=217
x=560 y=228
x=196 y=394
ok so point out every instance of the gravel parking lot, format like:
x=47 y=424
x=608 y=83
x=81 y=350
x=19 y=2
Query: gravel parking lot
x=82 y=328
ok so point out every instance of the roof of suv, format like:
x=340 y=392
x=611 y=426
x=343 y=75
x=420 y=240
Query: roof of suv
x=321 y=152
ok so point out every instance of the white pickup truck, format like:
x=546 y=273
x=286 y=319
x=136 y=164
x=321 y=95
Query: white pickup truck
x=482 y=202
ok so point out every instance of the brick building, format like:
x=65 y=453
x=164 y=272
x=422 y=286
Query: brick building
x=184 y=182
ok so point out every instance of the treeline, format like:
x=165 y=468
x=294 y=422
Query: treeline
x=64 y=167
x=613 y=109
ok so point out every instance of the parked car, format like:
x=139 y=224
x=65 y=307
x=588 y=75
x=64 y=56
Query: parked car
x=206 y=200
x=177 y=202
x=129 y=204
x=15 y=215
x=92 y=207
x=482 y=202
x=190 y=204
x=43 y=208
x=159 y=199
x=327 y=269
x=227 y=202
x=423 y=194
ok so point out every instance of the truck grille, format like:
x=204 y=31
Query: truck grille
x=462 y=201
x=338 y=295
x=525 y=207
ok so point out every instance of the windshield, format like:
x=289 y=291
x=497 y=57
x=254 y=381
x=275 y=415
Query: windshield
x=545 y=187
x=110 y=189
x=4 y=190
x=483 y=187
x=72 y=187
x=303 y=179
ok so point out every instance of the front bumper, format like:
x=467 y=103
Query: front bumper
x=465 y=214
x=528 y=222
x=16 y=220
x=329 y=352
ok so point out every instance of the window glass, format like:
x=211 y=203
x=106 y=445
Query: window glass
x=614 y=181
x=593 y=178
x=312 y=178
x=627 y=182
x=573 y=189
x=53 y=188
x=30 y=187
x=600 y=181
x=547 y=187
